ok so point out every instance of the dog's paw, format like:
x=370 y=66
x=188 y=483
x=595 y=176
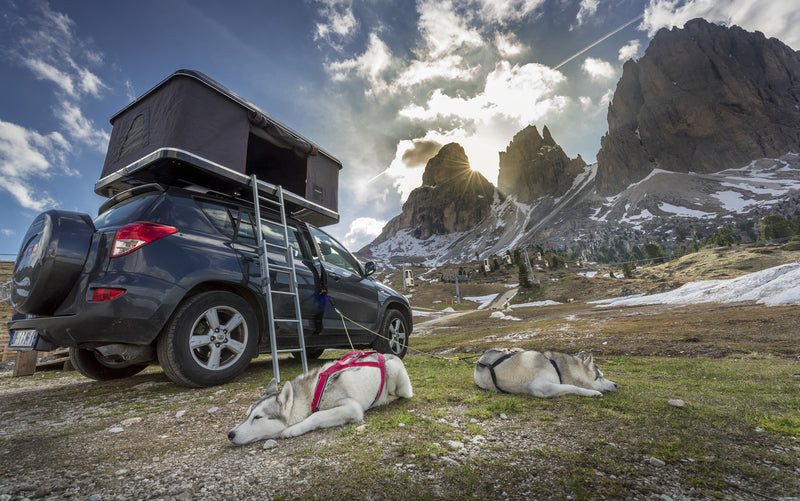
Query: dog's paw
x=290 y=432
x=596 y=394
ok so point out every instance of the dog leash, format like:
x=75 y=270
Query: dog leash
x=346 y=319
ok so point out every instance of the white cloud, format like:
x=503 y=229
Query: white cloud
x=597 y=69
x=629 y=50
x=606 y=99
x=45 y=71
x=445 y=30
x=81 y=128
x=503 y=11
x=507 y=45
x=362 y=229
x=585 y=102
x=25 y=155
x=774 y=19
x=339 y=22
x=450 y=67
x=370 y=65
x=50 y=49
x=90 y=83
x=587 y=9
x=523 y=93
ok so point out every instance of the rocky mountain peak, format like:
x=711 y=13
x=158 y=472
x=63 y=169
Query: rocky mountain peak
x=701 y=99
x=450 y=162
x=453 y=198
x=534 y=165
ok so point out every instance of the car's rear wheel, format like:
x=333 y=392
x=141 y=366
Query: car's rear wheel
x=95 y=366
x=209 y=340
x=50 y=260
x=394 y=334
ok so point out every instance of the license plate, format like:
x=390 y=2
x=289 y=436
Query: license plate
x=23 y=339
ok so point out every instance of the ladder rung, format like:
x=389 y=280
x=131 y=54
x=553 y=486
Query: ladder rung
x=284 y=293
x=286 y=320
x=276 y=246
x=279 y=268
x=269 y=200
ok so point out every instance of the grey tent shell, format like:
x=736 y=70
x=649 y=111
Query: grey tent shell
x=190 y=130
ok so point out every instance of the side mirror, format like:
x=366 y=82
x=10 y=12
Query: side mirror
x=369 y=268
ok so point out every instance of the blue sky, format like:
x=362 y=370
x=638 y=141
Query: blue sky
x=379 y=84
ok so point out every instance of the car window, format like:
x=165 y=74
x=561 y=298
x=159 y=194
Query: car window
x=126 y=211
x=244 y=231
x=272 y=233
x=334 y=253
x=219 y=216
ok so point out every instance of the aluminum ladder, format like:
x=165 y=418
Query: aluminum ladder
x=266 y=283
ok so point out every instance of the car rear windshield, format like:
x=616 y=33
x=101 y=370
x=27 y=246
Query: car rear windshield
x=125 y=212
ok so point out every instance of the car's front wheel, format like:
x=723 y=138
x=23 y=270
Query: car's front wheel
x=394 y=334
x=209 y=340
x=95 y=366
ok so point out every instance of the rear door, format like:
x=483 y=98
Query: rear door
x=349 y=289
x=307 y=283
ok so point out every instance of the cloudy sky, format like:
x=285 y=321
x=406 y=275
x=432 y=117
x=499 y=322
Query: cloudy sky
x=379 y=84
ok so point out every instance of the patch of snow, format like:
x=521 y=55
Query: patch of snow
x=684 y=211
x=484 y=301
x=502 y=316
x=535 y=303
x=771 y=287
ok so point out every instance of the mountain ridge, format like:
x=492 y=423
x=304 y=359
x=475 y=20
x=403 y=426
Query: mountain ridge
x=650 y=183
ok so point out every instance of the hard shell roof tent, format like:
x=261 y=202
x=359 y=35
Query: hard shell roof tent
x=190 y=130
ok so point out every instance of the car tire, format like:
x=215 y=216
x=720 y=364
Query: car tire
x=94 y=366
x=394 y=333
x=209 y=340
x=51 y=258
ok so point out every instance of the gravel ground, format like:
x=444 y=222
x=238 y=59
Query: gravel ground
x=70 y=438
x=66 y=437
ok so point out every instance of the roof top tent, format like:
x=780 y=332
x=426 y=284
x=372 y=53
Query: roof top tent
x=191 y=131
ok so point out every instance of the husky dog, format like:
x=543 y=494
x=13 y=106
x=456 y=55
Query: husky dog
x=547 y=374
x=338 y=398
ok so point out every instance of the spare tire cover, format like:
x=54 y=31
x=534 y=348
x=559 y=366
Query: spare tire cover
x=50 y=260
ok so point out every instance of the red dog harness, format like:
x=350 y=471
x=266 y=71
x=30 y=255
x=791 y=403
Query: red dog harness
x=346 y=362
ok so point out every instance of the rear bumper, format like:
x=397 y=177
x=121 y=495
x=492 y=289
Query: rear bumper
x=136 y=317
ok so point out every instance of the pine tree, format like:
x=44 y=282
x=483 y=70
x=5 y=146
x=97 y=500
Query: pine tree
x=524 y=282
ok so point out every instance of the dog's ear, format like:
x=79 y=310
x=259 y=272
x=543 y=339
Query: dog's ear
x=589 y=361
x=581 y=355
x=272 y=387
x=286 y=399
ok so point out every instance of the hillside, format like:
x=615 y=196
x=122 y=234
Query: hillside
x=590 y=281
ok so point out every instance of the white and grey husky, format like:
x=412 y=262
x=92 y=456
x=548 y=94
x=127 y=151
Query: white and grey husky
x=547 y=374
x=334 y=394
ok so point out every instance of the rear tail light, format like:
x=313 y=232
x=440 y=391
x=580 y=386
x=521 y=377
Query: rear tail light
x=136 y=235
x=103 y=294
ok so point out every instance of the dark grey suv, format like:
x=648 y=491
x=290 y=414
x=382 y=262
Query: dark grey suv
x=171 y=275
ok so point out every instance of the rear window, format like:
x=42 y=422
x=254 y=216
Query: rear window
x=125 y=212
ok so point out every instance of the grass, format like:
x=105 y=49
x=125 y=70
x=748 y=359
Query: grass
x=737 y=435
